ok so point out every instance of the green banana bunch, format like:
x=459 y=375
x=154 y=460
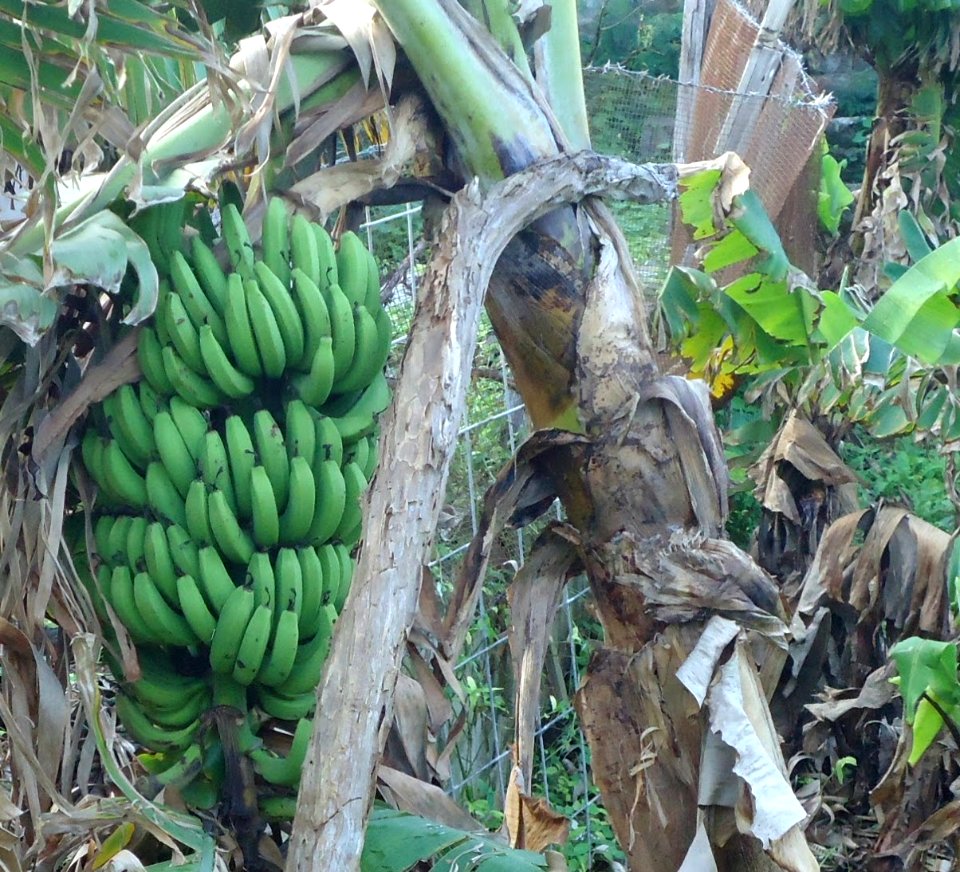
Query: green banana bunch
x=231 y=480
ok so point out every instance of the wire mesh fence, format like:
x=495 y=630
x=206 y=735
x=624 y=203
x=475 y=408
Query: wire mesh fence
x=633 y=115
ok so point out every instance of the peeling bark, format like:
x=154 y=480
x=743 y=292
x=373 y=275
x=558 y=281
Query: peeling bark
x=402 y=509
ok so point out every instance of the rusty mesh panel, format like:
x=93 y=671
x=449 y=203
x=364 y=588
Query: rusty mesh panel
x=785 y=127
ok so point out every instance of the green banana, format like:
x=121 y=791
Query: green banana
x=198 y=514
x=148 y=734
x=164 y=689
x=177 y=459
x=253 y=645
x=183 y=550
x=327 y=257
x=191 y=423
x=266 y=519
x=220 y=368
x=187 y=766
x=287 y=708
x=116 y=552
x=101 y=534
x=372 y=299
x=180 y=714
x=314 y=387
x=371 y=353
x=171 y=217
x=352 y=536
x=285 y=771
x=182 y=332
x=346 y=575
x=161 y=619
x=360 y=453
x=99 y=591
x=192 y=387
x=91 y=450
x=361 y=419
x=268 y=438
x=313 y=312
x=304 y=254
x=150 y=401
x=134 y=543
x=233 y=541
x=121 y=478
x=237 y=240
x=311 y=596
x=242 y=460
x=301 y=431
x=355 y=484
x=130 y=425
x=341 y=328
x=261 y=579
x=215 y=467
x=369 y=466
x=200 y=309
x=209 y=274
x=231 y=626
x=162 y=494
x=149 y=355
x=123 y=600
x=352 y=267
x=275 y=239
x=272 y=351
x=194 y=608
x=297 y=518
x=284 y=311
x=332 y=571
x=330 y=503
x=289 y=583
x=216 y=579
x=308 y=664
x=159 y=312
x=281 y=652
x=243 y=343
x=159 y=563
x=329 y=441
x=277 y=809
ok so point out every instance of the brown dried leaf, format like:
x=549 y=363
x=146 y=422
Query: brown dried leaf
x=426 y=800
x=410 y=725
x=332 y=187
x=310 y=131
x=876 y=692
x=645 y=738
x=801 y=445
x=439 y=707
x=530 y=822
x=522 y=491
x=534 y=596
x=895 y=577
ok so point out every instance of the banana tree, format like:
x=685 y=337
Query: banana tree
x=911 y=153
x=632 y=455
x=689 y=769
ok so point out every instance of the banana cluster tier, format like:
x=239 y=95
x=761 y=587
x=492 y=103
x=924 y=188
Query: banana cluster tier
x=230 y=480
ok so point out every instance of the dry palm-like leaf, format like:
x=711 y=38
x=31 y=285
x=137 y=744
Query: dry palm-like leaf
x=411 y=150
x=803 y=487
x=426 y=800
x=529 y=821
x=522 y=491
x=879 y=575
x=534 y=596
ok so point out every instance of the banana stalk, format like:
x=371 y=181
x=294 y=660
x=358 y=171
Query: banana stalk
x=191 y=128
